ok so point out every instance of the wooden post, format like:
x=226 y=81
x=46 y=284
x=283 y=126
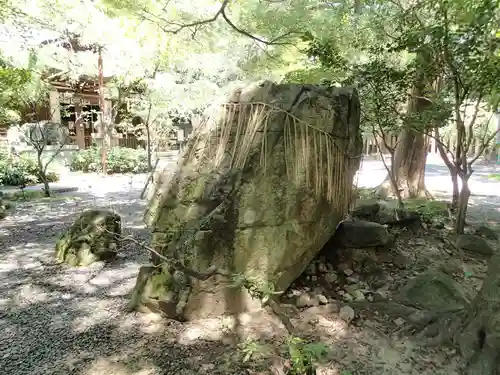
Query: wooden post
x=80 y=136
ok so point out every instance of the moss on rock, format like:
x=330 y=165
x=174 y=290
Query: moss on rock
x=94 y=236
x=232 y=203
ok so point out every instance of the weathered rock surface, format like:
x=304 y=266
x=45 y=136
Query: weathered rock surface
x=473 y=244
x=360 y=234
x=384 y=212
x=249 y=199
x=432 y=290
x=377 y=211
x=94 y=236
x=487 y=232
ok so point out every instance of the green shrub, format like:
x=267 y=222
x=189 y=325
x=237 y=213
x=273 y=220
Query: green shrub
x=127 y=160
x=22 y=170
x=88 y=160
x=119 y=160
x=52 y=177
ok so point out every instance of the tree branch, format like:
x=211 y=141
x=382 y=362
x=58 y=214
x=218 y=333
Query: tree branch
x=472 y=122
x=220 y=13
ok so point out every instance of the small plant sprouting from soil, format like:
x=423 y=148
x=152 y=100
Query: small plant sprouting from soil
x=301 y=357
x=304 y=356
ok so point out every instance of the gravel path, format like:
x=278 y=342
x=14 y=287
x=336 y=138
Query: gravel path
x=60 y=320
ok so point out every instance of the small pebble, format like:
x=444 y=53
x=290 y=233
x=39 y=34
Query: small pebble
x=347 y=314
x=347 y=297
x=331 y=277
x=322 y=268
x=322 y=299
x=348 y=272
x=358 y=295
x=399 y=322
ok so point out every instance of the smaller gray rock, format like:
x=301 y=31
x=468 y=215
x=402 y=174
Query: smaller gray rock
x=322 y=268
x=360 y=235
x=351 y=280
x=348 y=272
x=399 y=322
x=305 y=300
x=347 y=314
x=473 y=244
x=351 y=288
x=487 y=232
x=347 y=297
x=358 y=295
x=379 y=296
x=438 y=225
x=322 y=299
x=331 y=277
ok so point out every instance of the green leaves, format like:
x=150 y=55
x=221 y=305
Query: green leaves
x=304 y=355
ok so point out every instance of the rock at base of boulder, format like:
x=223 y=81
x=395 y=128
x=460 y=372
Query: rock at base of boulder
x=376 y=210
x=473 y=244
x=361 y=234
x=487 y=232
x=432 y=290
x=162 y=290
x=94 y=236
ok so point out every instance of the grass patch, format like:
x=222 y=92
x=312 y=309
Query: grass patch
x=428 y=209
x=364 y=193
x=494 y=177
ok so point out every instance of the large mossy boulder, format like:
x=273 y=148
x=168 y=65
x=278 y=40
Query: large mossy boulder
x=94 y=236
x=257 y=192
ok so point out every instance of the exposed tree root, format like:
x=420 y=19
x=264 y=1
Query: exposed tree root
x=473 y=333
x=439 y=325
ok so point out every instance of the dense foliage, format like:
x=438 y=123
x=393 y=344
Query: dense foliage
x=119 y=160
x=22 y=170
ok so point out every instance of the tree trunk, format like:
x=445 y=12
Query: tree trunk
x=46 y=188
x=479 y=339
x=257 y=198
x=411 y=152
x=149 y=123
x=149 y=148
x=42 y=174
x=454 y=181
x=409 y=166
x=104 y=120
x=463 y=203
x=451 y=167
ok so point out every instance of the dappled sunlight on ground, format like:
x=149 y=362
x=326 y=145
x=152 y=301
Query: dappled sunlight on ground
x=60 y=320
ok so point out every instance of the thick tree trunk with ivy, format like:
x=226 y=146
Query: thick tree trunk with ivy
x=411 y=151
x=258 y=191
x=479 y=336
x=409 y=165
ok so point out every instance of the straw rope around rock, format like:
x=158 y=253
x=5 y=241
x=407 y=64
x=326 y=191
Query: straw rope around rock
x=312 y=157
